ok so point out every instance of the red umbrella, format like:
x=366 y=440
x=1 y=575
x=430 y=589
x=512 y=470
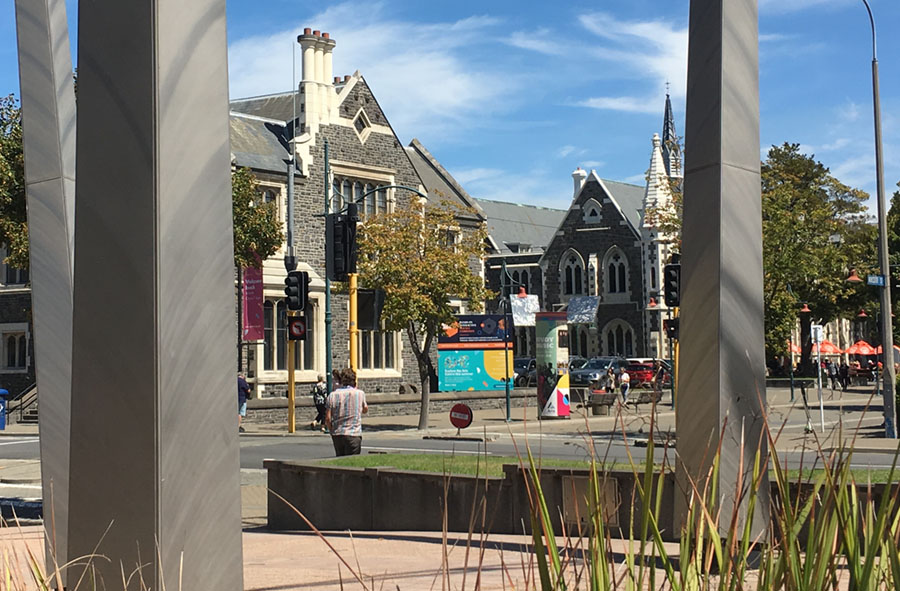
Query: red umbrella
x=794 y=348
x=878 y=349
x=860 y=348
x=828 y=348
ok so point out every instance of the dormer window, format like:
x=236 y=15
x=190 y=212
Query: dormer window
x=362 y=125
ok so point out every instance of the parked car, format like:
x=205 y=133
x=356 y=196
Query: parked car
x=529 y=377
x=594 y=369
x=641 y=372
x=523 y=368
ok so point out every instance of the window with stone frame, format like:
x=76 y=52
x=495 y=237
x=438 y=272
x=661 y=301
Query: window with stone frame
x=12 y=277
x=616 y=270
x=14 y=354
x=275 y=337
x=520 y=278
x=378 y=349
x=572 y=271
x=618 y=337
x=592 y=212
x=370 y=200
x=362 y=125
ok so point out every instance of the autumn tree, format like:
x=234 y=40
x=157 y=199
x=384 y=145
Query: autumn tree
x=13 y=222
x=420 y=256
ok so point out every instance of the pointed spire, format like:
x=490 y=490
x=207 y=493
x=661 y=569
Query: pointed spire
x=670 y=150
x=656 y=193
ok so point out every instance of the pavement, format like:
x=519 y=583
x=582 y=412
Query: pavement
x=416 y=560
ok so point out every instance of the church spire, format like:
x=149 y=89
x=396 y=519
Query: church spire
x=671 y=152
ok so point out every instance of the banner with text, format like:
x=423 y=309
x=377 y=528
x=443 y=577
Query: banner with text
x=252 y=305
x=475 y=353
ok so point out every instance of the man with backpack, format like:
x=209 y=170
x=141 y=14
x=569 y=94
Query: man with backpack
x=320 y=396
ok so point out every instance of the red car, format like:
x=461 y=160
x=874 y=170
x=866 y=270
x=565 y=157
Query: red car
x=641 y=374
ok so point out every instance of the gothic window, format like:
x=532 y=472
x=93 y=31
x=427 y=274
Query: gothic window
x=572 y=267
x=275 y=337
x=619 y=338
x=616 y=266
x=369 y=199
x=362 y=126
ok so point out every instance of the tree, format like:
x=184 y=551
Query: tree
x=13 y=222
x=419 y=255
x=257 y=231
x=814 y=230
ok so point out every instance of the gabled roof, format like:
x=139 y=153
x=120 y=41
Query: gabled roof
x=258 y=143
x=514 y=223
x=439 y=183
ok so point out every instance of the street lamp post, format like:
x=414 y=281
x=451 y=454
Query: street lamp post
x=887 y=339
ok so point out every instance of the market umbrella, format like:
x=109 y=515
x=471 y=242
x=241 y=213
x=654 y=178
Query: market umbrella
x=896 y=352
x=794 y=348
x=827 y=348
x=860 y=348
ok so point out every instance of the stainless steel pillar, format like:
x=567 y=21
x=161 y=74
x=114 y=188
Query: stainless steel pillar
x=155 y=472
x=48 y=119
x=721 y=387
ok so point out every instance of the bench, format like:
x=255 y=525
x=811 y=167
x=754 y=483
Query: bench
x=645 y=397
x=600 y=401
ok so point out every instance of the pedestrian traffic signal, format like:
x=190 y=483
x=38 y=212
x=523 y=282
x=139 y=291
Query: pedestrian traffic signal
x=296 y=289
x=672 y=285
x=340 y=243
x=671 y=325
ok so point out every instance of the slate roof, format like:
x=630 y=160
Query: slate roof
x=514 y=223
x=630 y=199
x=439 y=183
x=279 y=106
x=258 y=143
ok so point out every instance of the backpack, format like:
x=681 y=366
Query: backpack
x=319 y=395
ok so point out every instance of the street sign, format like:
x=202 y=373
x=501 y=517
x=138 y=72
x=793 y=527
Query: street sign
x=816 y=333
x=461 y=416
x=297 y=328
x=875 y=280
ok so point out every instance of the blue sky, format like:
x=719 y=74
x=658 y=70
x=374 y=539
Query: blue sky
x=512 y=96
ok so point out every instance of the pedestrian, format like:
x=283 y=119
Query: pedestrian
x=319 y=396
x=833 y=373
x=343 y=415
x=609 y=380
x=625 y=385
x=659 y=374
x=844 y=373
x=243 y=395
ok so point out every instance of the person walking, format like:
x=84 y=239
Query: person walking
x=320 y=395
x=243 y=395
x=343 y=415
x=844 y=373
x=625 y=385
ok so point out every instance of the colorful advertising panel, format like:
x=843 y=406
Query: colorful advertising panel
x=252 y=305
x=482 y=331
x=552 y=340
x=475 y=353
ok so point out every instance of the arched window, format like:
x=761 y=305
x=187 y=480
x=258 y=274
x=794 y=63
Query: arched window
x=616 y=265
x=572 y=271
x=591 y=211
x=619 y=339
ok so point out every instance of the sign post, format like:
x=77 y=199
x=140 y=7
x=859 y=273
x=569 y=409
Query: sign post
x=817 y=338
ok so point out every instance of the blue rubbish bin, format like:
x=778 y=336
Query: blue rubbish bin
x=4 y=394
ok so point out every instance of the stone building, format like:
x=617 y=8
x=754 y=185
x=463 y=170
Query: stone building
x=16 y=343
x=601 y=259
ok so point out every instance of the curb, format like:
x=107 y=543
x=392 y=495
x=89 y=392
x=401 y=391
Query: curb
x=488 y=438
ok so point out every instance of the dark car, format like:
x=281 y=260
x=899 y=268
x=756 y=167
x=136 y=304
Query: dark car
x=523 y=370
x=595 y=369
x=529 y=377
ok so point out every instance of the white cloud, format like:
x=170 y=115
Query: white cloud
x=417 y=71
x=849 y=112
x=535 y=187
x=786 y=6
x=629 y=104
x=653 y=50
x=566 y=151
x=541 y=41
x=592 y=164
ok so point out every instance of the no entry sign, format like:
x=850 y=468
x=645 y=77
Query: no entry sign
x=460 y=416
x=296 y=328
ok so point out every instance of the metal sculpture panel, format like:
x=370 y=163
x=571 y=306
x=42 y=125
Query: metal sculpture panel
x=721 y=387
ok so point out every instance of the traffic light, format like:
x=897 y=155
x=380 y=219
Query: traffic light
x=340 y=243
x=296 y=289
x=672 y=285
x=670 y=325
